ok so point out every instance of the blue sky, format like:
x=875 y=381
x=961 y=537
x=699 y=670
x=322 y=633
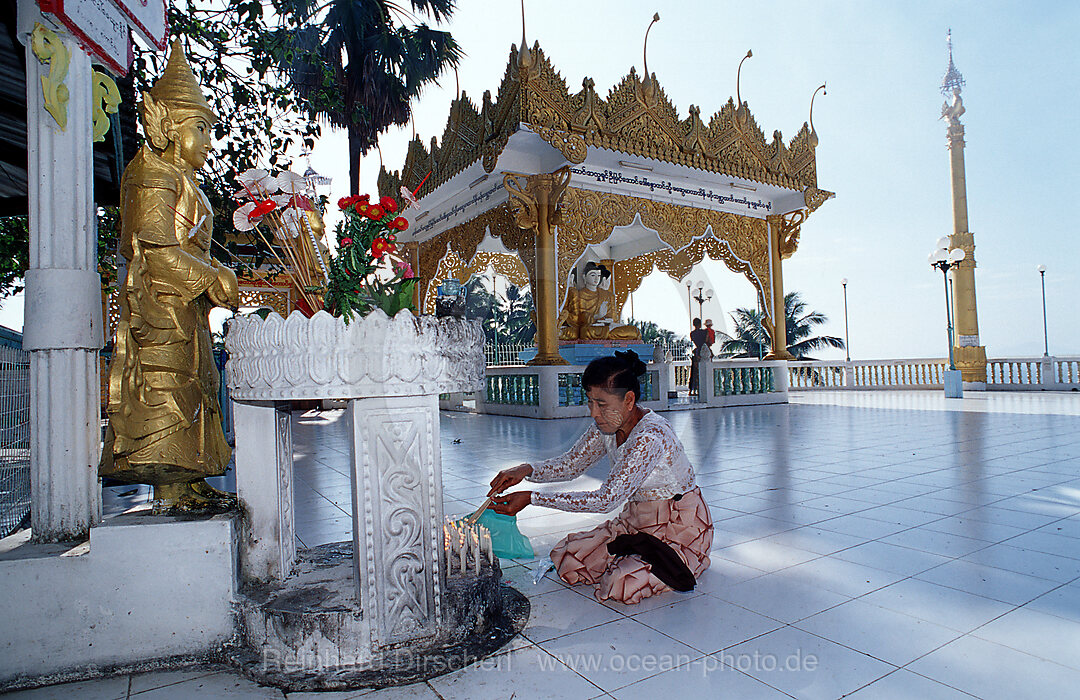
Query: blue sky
x=882 y=146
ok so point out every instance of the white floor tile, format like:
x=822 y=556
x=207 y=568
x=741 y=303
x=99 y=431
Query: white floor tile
x=888 y=635
x=803 y=665
x=704 y=678
x=707 y=623
x=525 y=673
x=1062 y=602
x=765 y=554
x=781 y=597
x=905 y=685
x=890 y=557
x=990 y=670
x=1027 y=562
x=619 y=653
x=113 y=688
x=564 y=612
x=416 y=691
x=987 y=581
x=948 y=607
x=840 y=576
x=226 y=685
x=1032 y=632
x=141 y=682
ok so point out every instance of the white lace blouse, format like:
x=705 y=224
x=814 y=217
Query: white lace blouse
x=650 y=465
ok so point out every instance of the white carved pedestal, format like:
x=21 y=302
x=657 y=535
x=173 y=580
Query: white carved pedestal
x=391 y=372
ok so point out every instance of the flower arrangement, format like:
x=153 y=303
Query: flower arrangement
x=368 y=271
x=284 y=205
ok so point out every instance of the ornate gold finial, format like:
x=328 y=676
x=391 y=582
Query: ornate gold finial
x=741 y=111
x=49 y=49
x=524 y=57
x=177 y=88
x=647 y=83
x=813 y=134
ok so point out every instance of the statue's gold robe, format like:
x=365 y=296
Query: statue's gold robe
x=164 y=414
x=583 y=309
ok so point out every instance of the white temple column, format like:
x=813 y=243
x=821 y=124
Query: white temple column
x=62 y=324
x=397 y=514
x=264 y=485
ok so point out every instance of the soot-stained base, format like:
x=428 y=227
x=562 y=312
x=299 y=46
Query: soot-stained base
x=309 y=633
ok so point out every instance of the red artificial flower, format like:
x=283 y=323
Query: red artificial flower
x=301 y=202
x=388 y=204
x=346 y=241
x=380 y=247
x=344 y=203
x=262 y=209
x=399 y=223
x=375 y=212
x=362 y=209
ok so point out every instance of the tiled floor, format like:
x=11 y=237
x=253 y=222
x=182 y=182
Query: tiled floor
x=875 y=545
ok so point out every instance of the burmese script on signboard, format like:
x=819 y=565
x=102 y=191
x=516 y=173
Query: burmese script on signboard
x=725 y=199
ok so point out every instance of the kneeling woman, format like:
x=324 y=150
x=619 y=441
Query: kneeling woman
x=663 y=532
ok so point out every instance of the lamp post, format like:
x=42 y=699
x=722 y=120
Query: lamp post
x=1042 y=278
x=702 y=296
x=945 y=259
x=847 y=345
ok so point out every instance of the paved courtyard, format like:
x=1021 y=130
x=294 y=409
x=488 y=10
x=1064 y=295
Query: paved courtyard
x=872 y=545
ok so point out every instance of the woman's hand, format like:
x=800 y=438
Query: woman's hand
x=511 y=503
x=509 y=477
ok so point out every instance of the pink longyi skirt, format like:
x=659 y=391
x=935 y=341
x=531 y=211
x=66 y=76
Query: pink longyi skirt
x=685 y=525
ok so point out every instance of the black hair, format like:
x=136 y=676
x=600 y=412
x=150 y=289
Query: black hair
x=697 y=323
x=617 y=374
x=590 y=266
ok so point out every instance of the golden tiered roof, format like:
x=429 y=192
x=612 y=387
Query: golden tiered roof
x=636 y=118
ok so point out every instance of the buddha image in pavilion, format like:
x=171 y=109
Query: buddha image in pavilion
x=588 y=311
x=164 y=416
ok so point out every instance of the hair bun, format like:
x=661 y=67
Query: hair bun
x=632 y=362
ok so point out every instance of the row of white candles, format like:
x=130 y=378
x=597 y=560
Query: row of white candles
x=464 y=544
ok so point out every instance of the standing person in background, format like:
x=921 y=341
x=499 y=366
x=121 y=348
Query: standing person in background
x=698 y=336
x=710 y=334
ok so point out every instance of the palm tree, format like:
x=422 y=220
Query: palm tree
x=750 y=339
x=519 y=327
x=358 y=67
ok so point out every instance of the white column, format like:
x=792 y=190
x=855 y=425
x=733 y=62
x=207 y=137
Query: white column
x=264 y=485
x=397 y=515
x=706 y=387
x=62 y=325
x=1046 y=369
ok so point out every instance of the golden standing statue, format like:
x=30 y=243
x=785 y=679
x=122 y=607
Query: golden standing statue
x=587 y=314
x=164 y=417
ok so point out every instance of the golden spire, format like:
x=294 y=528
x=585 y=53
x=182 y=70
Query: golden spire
x=177 y=87
x=524 y=58
x=644 y=51
x=741 y=110
x=813 y=133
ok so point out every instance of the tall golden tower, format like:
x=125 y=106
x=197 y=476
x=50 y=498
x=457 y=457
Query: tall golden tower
x=969 y=352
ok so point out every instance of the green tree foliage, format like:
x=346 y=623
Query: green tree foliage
x=15 y=249
x=507 y=317
x=655 y=335
x=229 y=46
x=358 y=64
x=750 y=338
